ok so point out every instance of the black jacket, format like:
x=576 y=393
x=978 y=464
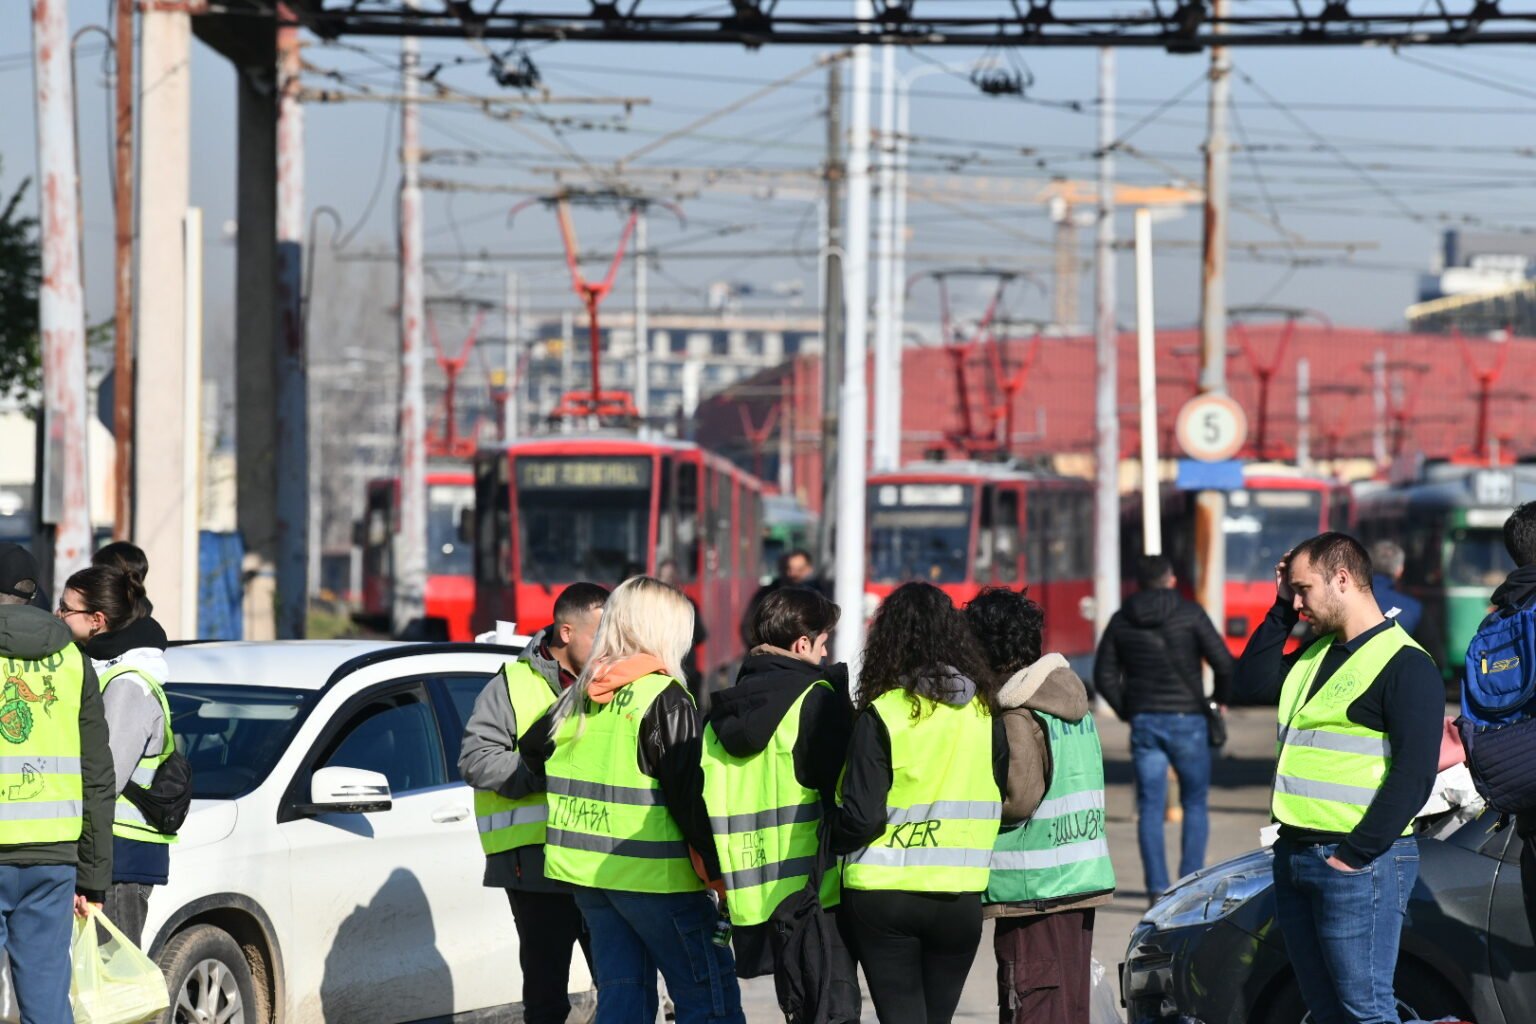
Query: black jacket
x=746 y=716
x=866 y=784
x=671 y=751
x=1407 y=702
x=1149 y=658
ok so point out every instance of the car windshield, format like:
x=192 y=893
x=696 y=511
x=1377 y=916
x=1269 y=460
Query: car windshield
x=919 y=532
x=1261 y=526
x=1477 y=558
x=233 y=735
x=447 y=553
x=582 y=517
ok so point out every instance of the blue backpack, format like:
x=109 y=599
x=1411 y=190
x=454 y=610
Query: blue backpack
x=1498 y=709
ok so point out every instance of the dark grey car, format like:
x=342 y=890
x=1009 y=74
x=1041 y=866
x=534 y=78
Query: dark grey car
x=1211 y=949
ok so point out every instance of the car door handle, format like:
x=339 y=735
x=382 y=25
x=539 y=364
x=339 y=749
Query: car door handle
x=443 y=815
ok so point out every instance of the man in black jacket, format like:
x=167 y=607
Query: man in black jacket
x=1148 y=671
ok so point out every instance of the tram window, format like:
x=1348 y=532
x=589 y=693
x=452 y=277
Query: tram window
x=583 y=517
x=1476 y=558
x=687 y=550
x=1007 y=528
x=749 y=530
x=666 y=515
x=493 y=527
x=1034 y=536
x=720 y=517
x=984 y=536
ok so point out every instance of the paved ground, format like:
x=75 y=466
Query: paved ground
x=1239 y=808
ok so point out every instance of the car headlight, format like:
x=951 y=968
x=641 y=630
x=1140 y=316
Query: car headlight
x=1207 y=898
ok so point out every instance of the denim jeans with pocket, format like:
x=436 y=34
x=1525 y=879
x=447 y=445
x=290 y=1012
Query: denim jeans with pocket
x=1342 y=928
x=635 y=934
x=1159 y=740
x=36 y=927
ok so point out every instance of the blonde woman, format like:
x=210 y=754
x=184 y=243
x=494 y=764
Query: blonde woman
x=626 y=805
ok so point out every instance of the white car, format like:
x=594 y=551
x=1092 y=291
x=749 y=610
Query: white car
x=330 y=869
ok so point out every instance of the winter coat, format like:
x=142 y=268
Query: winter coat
x=1148 y=661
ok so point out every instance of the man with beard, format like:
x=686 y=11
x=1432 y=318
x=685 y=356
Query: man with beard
x=1361 y=711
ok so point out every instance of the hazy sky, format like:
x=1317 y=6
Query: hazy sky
x=1342 y=146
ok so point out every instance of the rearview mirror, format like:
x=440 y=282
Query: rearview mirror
x=339 y=790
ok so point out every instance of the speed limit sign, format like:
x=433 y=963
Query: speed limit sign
x=1212 y=428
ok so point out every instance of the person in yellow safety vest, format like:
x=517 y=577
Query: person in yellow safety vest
x=921 y=803
x=1051 y=865
x=56 y=780
x=512 y=820
x=106 y=610
x=1361 y=713
x=774 y=745
x=619 y=755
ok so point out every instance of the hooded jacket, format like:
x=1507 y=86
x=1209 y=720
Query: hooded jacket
x=27 y=632
x=489 y=757
x=1051 y=687
x=671 y=750
x=137 y=726
x=1148 y=660
x=868 y=778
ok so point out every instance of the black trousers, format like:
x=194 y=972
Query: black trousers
x=915 y=948
x=548 y=925
x=127 y=906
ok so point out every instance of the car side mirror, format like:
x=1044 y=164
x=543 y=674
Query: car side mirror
x=339 y=790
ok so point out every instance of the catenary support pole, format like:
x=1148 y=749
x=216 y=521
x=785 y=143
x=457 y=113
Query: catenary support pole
x=1211 y=506
x=122 y=313
x=642 y=321
x=1106 y=505
x=411 y=541
x=853 y=416
x=1304 y=414
x=511 y=326
x=886 y=419
x=292 y=369
x=61 y=300
x=831 y=317
x=191 y=420
x=1146 y=381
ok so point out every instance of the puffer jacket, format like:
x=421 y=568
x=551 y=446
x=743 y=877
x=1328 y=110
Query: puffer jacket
x=1148 y=661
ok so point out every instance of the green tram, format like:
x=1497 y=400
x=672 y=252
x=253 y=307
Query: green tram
x=1450 y=524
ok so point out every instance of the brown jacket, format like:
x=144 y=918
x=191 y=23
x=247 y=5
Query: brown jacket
x=1048 y=685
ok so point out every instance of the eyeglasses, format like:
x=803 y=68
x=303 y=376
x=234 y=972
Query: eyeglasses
x=66 y=611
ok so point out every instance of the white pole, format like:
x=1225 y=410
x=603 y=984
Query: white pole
x=1106 y=511
x=411 y=545
x=1304 y=414
x=896 y=384
x=1146 y=369
x=853 y=415
x=191 y=420
x=642 y=325
x=885 y=447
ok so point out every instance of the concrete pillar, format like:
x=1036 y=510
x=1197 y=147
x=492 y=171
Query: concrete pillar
x=162 y=512
x=255 y=329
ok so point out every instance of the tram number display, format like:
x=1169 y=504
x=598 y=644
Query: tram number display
x=577 y=473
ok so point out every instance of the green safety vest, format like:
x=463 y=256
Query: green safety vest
x=127 y=820
x=764 y=822
x=1329 y=768
x=609 y=827
x=1061 y=850
x=943 y=809
x=40 y=753
x=506 y=824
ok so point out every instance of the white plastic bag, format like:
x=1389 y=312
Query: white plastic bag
x=1103 y=1004
x=113 y=982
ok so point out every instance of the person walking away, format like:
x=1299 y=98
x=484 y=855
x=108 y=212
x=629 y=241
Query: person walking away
x=773 y=750
x=1148 y=671
x=107 y=612
x=1387 y=563
x=1361 y=714
x=620 y=755
x=1051 y=866
x=921 y=803
x=56 y=842
x=511 y=819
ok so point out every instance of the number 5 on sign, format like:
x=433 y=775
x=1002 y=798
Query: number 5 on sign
x=1212 y=428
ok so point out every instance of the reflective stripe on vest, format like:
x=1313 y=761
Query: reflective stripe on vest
x=764 y=821
x=127 y=820
x=609 y=827
x=40 y=789
x=1329 y=768
x=943 y=808
x=1061 y=851
x=506 y=824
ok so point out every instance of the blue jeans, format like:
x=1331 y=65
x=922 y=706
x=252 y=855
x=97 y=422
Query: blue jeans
x=1342 y=928
x=1158 y=740
x=634 y=934
x=36 y=925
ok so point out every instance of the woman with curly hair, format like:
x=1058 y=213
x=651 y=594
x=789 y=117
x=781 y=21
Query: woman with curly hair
x=921 y=804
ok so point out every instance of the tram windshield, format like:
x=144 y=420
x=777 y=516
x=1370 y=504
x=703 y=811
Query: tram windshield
x=582 y=517
x=1477 y=558
x=447 y=553
x=919 y=532
x=1262 y=525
